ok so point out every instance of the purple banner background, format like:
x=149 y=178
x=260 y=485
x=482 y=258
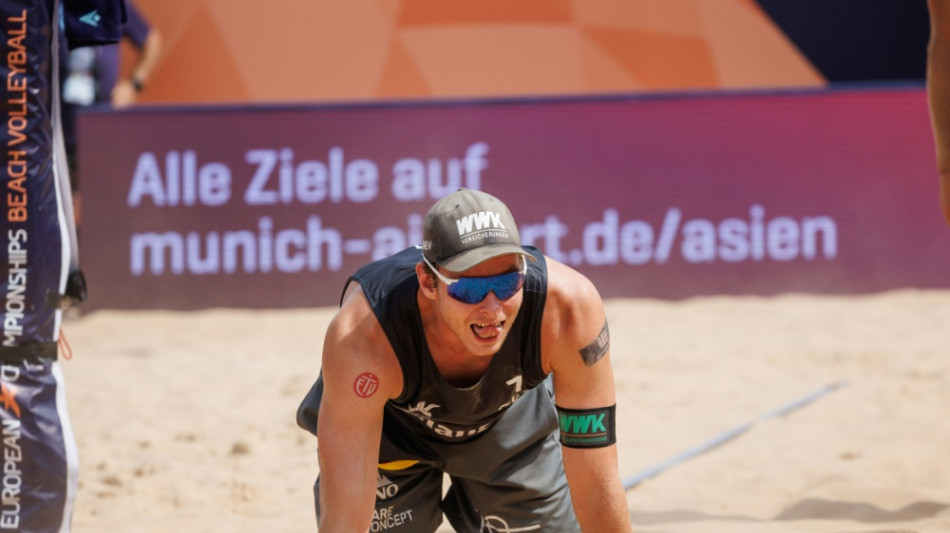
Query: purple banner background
x=828 y=192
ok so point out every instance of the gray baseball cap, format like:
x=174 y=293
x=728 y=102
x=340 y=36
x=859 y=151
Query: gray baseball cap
x=468 y=227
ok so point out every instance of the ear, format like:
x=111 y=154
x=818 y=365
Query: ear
x=426 y=284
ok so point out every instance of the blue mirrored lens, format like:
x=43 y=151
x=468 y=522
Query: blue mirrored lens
x=474 y=290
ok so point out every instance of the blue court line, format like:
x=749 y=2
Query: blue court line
x=726 y=436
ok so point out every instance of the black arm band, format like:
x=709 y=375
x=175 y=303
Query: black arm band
x=588 y=428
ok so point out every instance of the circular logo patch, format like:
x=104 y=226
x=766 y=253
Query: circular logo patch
x=365 y=384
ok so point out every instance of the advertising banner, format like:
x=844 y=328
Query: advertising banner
x=660 y=197
x=39 y=273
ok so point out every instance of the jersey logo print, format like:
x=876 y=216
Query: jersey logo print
x=385 y=488
x=497 y=524
x=8 y=399
x=421 y=410
x=518 y=383
x=92 y=18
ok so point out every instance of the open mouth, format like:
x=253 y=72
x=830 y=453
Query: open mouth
x=487 y=331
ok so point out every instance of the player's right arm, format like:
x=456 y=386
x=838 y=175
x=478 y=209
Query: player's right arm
x=360 y=373
x=938 y=93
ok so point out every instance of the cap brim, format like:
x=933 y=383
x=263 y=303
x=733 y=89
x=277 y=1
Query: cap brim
x=471 y=258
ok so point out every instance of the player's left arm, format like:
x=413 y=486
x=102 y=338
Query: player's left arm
x=577 y=351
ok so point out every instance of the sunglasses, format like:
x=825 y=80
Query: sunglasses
x=474 y=290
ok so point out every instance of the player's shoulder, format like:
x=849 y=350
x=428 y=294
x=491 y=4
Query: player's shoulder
x=355 y=330
x=568 y=287
x=355 y=343
x=354 y=311
x=571 y=299
x=573 y=314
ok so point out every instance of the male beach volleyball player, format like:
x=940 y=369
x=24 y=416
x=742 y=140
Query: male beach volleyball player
x=476 y=357
x=938 y=93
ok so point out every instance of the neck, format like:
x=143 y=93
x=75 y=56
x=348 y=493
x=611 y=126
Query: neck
x=458 y=366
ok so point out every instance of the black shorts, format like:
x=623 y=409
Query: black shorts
x=510 y=478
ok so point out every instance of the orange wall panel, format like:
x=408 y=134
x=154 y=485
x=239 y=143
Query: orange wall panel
x=234 y=51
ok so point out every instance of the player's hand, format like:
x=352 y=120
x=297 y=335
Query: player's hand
x=124 y=94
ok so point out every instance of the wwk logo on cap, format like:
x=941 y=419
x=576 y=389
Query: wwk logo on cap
x=479 y=222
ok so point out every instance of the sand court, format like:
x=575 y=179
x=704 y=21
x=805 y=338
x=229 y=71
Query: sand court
x=185 y=420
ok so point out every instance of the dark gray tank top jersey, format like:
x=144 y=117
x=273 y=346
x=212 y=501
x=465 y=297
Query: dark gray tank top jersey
x=429 y=406
x=428 y=402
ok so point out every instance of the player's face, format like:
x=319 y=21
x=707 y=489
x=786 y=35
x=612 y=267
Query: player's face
x=482 y=327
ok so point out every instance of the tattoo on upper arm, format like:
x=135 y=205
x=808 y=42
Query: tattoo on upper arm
x=598 y=348
x=366 y=384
